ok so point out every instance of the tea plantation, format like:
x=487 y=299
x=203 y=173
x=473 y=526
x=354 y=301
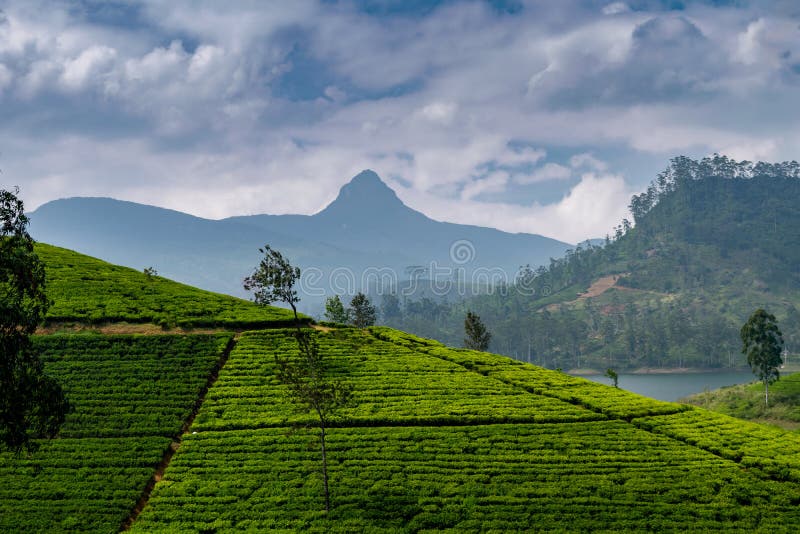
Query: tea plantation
x=87 y=290
x=452 y=439
x=131 y=395
x=194 y=433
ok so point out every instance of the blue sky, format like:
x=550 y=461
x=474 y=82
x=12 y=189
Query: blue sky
x=529 y=116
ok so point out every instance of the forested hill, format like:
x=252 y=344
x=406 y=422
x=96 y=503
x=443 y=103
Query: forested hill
x=711 y=241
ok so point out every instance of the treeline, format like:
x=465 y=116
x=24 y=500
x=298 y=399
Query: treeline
x=713 y=239
x=622 y=333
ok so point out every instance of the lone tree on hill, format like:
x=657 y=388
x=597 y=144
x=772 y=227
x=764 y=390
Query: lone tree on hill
x=362 y=312
x=304 y=374
x=334 y=310
x=32 y=405
x=762 y=343
x=612 y=374
x=477 y=337
x=274 y=280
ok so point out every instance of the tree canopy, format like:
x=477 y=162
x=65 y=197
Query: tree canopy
x=32 y=405
x=274 y=280
x=335 y=311
x=762 y=343
x=477 y=336
x=362 y=312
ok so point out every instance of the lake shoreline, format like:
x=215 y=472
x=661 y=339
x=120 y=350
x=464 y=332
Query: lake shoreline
x=660 y=371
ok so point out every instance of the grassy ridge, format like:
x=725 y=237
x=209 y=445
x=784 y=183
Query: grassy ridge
x=422 y=454
x=746 y=401
x=131 y=394
x=87 y=290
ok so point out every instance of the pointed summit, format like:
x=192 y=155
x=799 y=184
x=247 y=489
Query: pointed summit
x=369 y=187
x=366 y=193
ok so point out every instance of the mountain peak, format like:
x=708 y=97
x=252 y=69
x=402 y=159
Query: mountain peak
x=367 y=183
x=365 y=192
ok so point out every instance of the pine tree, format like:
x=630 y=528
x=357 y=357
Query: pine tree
x=477 y=337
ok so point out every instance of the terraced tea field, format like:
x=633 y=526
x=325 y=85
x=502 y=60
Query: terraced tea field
x=87 y=290
x=131 y=396
x=544 y=451
x=194 y=433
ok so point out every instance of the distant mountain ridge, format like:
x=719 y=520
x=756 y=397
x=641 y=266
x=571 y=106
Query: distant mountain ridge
x=367 y=228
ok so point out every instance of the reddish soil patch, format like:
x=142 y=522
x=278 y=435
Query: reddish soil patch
x=600 y=286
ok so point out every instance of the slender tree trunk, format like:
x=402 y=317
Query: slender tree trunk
x=766 y=394
x=324 y=466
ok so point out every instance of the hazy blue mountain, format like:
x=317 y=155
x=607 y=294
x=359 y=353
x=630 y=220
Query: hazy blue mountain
x=366 y=229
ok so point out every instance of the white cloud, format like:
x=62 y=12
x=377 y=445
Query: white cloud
x=78 y=72
x=526 y=155
x=546 y=173
x=194 y=118
x=587 y=161
x=590 y=209
x=615 y=8
x=495 y=182
x=160 y=63
x=441 y=112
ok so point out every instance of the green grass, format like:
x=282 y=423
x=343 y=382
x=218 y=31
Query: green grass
x=131 y=395
x=746 y=401
x=87 y=290
x=426 y=450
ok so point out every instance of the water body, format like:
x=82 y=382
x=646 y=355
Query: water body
x=673 y=386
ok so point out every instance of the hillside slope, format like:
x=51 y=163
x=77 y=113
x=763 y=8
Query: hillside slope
x=746 y=401
x=452 y=439
x=712 y=241
x=87 y=290
x=189 y=433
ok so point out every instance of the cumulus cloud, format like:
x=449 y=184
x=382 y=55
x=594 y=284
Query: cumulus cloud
x=220 y=110
x=588 y=210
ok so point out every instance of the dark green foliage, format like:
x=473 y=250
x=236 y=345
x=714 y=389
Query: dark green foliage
x=612 y=374
x=274 y=280
x=390 y=307
x=713 y=239
x=31 y=404
x=762 y=344
x=88 y=290
x=477 y=337
x=131 y=396
x=362 y=313
x=129 y=385
x=334 y=310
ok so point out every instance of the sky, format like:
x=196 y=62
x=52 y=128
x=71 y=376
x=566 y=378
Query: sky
x=527 y=116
